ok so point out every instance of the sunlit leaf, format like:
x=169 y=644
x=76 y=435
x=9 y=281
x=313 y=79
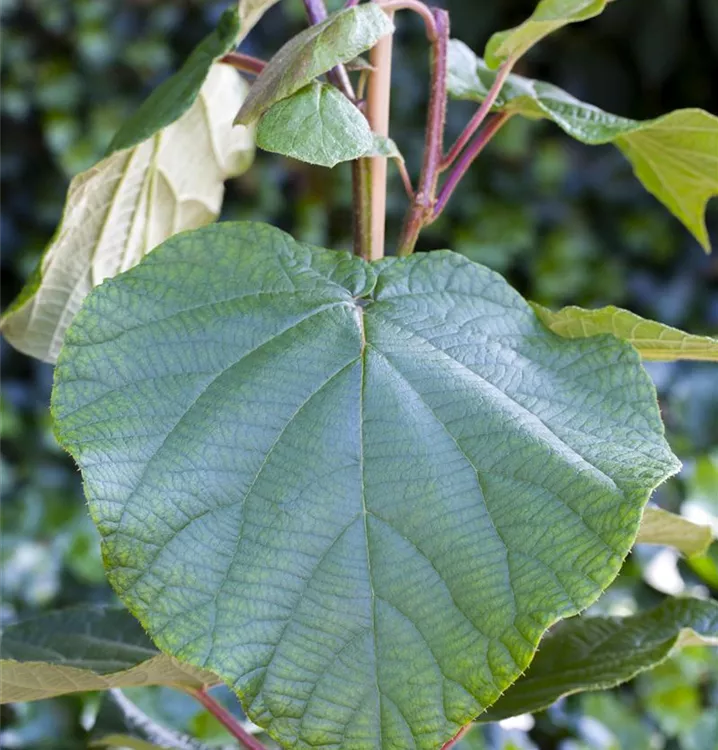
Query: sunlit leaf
x=549 y=16
x=358 y=492
x=661 y=527
x=597 y=653
x=675 y=156
x=118 y=210
x=318 y=125
x=81 y=649
x=316 y=50
x=250 y=11
x=654 y=340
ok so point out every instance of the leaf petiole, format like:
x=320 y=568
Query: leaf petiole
x=230 y=723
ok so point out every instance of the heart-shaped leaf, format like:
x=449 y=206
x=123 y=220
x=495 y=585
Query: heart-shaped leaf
x=549 y=16
x=654 y=341
x=316 y=50
x=85 y=648
x=674 y=156
x=597 y=653
x=661 y=527
x=317 y=125
x=358 y=492
x=165 y=174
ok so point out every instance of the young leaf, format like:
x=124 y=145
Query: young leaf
x=385 y=147
x=250 y=11
x=318 y=125
x=674 y=156
x=654 y=341
x=358 y=492
x=85 y=648
x=316 y=50
x=549 y=16
x=118 y=210
x=597 y=653
x=661 y=527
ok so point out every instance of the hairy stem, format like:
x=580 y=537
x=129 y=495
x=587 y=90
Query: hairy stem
x=417 y=7
x=377 y=112
x=481 y=114
x=230 y=723
x=452 y=742
x=421 y=211
x=466 y=159
x=244 y=63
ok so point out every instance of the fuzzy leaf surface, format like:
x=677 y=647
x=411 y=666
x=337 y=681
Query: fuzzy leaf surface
x=85 y=648
x=661 y=527
x=549 y=16
x=316 y=50
x=674 y=156
x=128 y=203
x=358 y=492
x=654 y=340
x=598 y=653
x=317 y=125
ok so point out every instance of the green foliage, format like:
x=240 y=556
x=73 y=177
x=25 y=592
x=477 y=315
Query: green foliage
x=596 y=653
x=674 y=156
x=318 y=125
x=338 y=39
x=252 y=329
x=653 y=340
x=549 y=16
x=661 y=527
x=81 y=649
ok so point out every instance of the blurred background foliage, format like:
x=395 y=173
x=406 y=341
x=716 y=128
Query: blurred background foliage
x=565 y=223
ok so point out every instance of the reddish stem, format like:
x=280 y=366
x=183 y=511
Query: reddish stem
x=245 y=63
x=480 y=115
x=456 y=737
x=231 y=724
x=466 y=159
x=417 y=7
x=422 y=209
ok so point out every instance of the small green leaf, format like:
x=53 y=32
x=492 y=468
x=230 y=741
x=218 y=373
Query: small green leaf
x=661 y=527
x=168 y=102
x=316 y=50
x=85 y=648
x=549 y=16
x=118 y=210
x=654 y=341
x=597 y=653
x=317 y=125
x=385 y=147
x=675 y=156
x=358 y=492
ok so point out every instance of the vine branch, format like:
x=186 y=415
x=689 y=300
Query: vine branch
x=244 y=63
x=230 y=723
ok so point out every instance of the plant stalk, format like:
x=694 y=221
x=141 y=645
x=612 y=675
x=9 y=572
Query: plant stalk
x=421 y=211
x=465 y=161
x=481 y=114
x=316 y=13
x=230 y=723
x=452 y=742
x=377 y=113
x=244 y=63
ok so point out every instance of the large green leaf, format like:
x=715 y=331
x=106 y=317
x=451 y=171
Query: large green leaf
x=85 y=648
x=597 y=653
x=661 y=527
x=674 y=156
x=318 y=125
x=316 y=50
x=358 y=492
x=654 y=341
x=549 y=16
x=167 y=177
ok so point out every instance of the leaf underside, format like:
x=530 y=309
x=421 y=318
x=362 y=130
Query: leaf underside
x=674 y=156
x=598 y=653
x=128 y=203
x=317 y=125
x=653 y=340
x=661 y=527
x=82 y=649
x=357 y=492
